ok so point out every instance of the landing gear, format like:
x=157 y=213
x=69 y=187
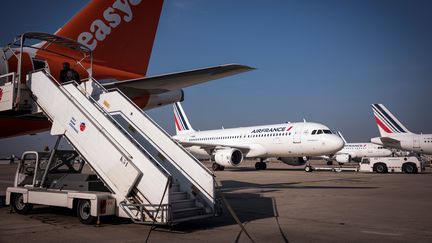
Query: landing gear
x=329 y=162
x=260 y=165
x=216 y=167
x=308 y=168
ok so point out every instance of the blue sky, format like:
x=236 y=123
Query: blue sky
x=325 y=61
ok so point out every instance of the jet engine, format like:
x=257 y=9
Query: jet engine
x=296 y=161
x=150 y=101
x=228 y=157
x=343 y=158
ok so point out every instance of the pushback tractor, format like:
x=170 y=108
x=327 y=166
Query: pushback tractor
x=139 y=172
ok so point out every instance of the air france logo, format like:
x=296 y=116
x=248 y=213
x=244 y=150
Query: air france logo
x=100 y=29
x=273 y=129
x=74 y=125
x=82 y=126
x=1 y=93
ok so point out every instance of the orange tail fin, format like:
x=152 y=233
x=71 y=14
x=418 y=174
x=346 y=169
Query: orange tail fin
x=120 y=33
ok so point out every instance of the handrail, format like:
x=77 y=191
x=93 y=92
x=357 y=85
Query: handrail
x=7 y=75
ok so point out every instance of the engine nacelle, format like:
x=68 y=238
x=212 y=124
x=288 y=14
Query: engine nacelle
x=150 y=101
x=296 y=161
x=228 y=157
x=343 y=158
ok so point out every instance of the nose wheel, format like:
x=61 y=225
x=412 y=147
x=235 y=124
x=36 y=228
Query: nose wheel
x=308 y=168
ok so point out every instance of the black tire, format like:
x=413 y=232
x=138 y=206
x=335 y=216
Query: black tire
x=258 y=165
x=263 y=166
x=410 y=168
x=308 y=168
x=221 y=167
x=215 y=167
x=329 y=162
x=19 y=206
x=83 y=212
x=381 y=168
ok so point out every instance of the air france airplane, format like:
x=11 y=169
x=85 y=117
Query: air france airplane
x=396 y=135
x=356 y=151
x=291 y=143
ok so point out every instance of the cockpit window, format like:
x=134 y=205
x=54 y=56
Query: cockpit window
x=313 y=132
x=320 y=132
x=327 y=132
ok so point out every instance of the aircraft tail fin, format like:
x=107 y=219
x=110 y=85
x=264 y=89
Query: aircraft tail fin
x=181 y=121
x=340 y=135
x=120 y=33
x=387 y=123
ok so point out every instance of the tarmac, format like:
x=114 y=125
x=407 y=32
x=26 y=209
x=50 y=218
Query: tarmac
x=280 y=204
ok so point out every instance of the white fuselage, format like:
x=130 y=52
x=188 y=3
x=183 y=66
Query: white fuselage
x=419 y=143
x=360 y=150
x=280 y=140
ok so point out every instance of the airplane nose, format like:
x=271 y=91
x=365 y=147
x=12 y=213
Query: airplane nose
x=336 y=144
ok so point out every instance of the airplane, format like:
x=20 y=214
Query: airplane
x=291 y=143
x=356 y=151
x=120 y=35
x=395 y=135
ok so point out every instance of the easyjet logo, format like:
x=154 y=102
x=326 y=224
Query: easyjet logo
x=101 y=28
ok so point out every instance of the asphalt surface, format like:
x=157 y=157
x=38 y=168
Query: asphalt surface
x=280 y=204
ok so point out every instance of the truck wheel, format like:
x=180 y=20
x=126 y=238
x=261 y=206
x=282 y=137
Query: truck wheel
x=19 y=206
x=380 y=168
x=409 y=168
x=83 y=212
x=215 y=167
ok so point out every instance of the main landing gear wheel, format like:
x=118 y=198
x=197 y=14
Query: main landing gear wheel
x=83 y=212
x=19 y=205
x=308 y=168
x=329 y=162
x=260 y=166
x=216 y=167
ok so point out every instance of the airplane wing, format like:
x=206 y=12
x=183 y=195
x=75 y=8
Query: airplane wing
x=208 y=146
x=175 y=81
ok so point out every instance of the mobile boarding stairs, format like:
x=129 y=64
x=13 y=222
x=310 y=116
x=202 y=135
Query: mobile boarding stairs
x=150 y=177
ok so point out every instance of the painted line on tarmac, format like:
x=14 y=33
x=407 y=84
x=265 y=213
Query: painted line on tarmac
x=380 y=233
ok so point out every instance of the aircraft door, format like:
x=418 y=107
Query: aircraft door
x=416 y=141
x=297 y=133
x=6 y=87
